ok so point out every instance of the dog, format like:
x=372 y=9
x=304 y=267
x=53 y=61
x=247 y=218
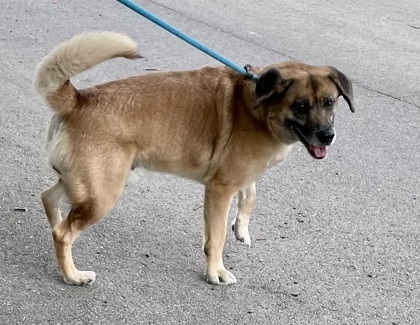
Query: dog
x=211 y=125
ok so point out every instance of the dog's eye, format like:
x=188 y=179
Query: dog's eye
x=329 y=103
x=301 y=108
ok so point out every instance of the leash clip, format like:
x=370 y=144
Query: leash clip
x=248 y=73
x=248 y=69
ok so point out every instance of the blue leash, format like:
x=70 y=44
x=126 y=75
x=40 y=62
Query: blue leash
x=244 y=71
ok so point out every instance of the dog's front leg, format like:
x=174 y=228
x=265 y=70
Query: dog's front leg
x=216 y=207
x=246 y=203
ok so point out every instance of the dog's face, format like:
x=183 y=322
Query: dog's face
x=299 y=102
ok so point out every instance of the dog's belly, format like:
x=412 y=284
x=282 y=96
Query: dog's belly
x=184 y=166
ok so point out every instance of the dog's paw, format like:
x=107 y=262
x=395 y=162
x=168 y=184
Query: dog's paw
x=241 y=232
x=220 y=276
x=81 y=278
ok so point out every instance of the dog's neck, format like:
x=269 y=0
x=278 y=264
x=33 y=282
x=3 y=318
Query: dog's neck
x=250 y=101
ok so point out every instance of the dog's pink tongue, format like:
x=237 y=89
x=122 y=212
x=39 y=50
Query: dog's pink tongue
x=319 y=152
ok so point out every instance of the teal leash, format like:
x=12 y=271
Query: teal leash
x=245 y=71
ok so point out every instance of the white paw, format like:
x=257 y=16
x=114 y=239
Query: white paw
x=81 y=278
x=241 y=232
x=220 y=276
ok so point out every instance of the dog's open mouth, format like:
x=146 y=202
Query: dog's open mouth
x=317 y=152
x=314 y=151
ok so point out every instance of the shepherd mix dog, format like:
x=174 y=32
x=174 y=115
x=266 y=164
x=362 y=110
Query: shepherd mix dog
x=212 y=125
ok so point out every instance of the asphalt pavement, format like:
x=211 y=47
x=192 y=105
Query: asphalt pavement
x=334 y=241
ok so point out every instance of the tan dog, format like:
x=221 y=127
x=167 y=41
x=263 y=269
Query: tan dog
x=210 y=125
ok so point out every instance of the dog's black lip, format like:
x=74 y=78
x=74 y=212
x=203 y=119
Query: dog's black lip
x=298 y=132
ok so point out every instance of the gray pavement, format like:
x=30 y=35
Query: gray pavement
x=334 y=242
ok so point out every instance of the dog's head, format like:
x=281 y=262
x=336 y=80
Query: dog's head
x=299 y=101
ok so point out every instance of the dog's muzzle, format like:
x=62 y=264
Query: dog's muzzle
x=318 y=144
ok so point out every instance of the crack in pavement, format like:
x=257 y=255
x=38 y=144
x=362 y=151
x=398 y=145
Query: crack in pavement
x=221 y=30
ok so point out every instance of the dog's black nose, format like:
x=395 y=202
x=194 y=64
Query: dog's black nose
x=326 y=136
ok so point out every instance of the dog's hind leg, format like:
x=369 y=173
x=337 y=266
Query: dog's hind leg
x=50 y=200
x=246 y=203
x=92 y=197
x=65 y=233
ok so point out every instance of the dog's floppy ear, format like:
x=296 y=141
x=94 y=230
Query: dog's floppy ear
x=344 y=86
x=270 y=83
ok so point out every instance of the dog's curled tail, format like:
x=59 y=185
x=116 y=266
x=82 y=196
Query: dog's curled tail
x=74 y=56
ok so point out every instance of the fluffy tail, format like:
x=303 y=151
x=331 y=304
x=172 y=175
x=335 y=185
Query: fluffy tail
x=73 y=57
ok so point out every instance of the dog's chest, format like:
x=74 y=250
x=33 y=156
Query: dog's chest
x=251 y=170
x=279 y=156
